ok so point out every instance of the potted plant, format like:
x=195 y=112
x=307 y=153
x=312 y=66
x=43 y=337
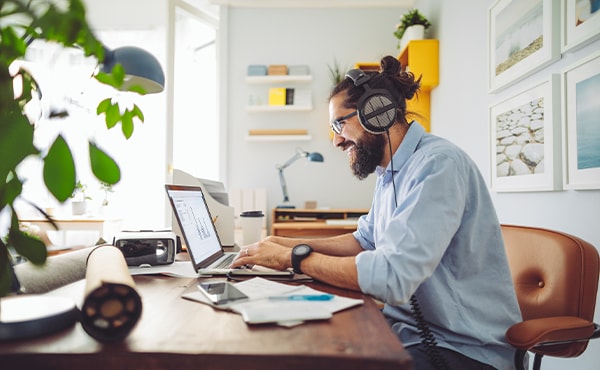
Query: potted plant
x=412 y=26
x=79 y=199
x=63 y=22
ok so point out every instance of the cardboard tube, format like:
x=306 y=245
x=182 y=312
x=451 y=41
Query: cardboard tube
x=111 y=306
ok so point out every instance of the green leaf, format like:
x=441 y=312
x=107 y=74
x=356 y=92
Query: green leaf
x=137 y=88
x=27 y=246
x=105 y=78
x=137 y=112
x=103 y=166
x=113 y=116
x=127 y=124
x=9 y=192
x=118 y=73
x=103 y=106
x=5 y=274
x=12 y=46
x=59 y=170
x=16 y=141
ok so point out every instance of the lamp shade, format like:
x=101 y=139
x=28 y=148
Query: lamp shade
x=314 y=157
x=141 y=68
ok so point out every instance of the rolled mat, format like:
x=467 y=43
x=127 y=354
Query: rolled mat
x=111 y=305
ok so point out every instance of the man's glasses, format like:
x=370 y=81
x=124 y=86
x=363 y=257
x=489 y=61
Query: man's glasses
x=336 y=124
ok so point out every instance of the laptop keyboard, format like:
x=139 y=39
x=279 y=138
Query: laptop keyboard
x=225 y=263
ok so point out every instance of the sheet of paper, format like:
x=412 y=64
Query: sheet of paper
x=260 y=309
x=175 y=269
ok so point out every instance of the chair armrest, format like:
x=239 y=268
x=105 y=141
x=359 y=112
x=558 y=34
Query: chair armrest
x=549 y=331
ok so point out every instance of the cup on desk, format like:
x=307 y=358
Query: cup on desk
x=251 y=222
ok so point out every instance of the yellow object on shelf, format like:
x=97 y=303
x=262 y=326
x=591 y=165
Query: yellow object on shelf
x=368 y=66
x=421 y=57
x=277 y=96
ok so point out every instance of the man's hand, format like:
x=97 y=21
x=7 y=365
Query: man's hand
x=265 y=253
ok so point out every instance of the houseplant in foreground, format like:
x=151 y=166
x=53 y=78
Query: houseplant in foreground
x=63 y=22
x=412 y=20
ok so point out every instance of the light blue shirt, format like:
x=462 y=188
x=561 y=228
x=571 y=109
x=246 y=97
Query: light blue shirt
x=443 y=241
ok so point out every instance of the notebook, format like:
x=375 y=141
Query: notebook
x=200 y=235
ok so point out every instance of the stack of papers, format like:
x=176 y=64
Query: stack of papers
x=285 y=305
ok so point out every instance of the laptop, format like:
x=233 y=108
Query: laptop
x=201 y=238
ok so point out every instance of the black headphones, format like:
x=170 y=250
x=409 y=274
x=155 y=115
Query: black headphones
x=376 y=107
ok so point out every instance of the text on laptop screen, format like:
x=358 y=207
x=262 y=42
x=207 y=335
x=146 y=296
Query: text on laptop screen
x=195 y=223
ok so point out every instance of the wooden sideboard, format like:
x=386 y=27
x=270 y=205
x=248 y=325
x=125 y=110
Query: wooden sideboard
x=314 y=223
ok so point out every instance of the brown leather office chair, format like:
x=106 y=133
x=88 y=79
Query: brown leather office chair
x=556 y=281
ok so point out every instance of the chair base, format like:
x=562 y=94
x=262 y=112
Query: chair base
x=520 y=360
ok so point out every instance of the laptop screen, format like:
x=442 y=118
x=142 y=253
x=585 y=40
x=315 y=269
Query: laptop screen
x=196 y=224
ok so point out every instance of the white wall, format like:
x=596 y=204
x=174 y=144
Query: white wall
x=314 y=37
x=459 y=110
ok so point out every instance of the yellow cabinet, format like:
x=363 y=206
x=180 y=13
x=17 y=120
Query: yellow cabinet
x=421 y=57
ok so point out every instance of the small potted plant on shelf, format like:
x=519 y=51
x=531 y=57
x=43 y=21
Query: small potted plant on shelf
x=79 y=202
x=412 y=26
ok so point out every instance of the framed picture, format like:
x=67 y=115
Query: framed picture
x=581 y=127
x=525 y=139
x=580 y=23
x=523 y=37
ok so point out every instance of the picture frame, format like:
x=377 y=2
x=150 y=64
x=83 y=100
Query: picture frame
x=523 y=38
x=525 y=139
x=581 y=123
x=580 y=23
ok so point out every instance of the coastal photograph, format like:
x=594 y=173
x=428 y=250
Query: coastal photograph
x=518 y=33
x=588 y=123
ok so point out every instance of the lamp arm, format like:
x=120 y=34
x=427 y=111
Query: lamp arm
x=283 y=184
x=294 y=158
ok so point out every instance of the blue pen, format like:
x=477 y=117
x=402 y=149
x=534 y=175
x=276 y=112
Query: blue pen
x=303 y=297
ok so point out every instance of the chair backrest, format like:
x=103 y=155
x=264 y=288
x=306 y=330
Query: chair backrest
x=554 y=273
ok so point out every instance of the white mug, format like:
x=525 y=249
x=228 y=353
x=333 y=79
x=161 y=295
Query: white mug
x=252 y=222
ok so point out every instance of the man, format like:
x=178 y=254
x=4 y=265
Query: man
x=430 y=247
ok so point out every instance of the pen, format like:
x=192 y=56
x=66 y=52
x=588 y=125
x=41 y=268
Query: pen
x=303 y=297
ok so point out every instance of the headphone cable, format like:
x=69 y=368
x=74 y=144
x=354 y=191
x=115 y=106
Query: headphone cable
x=427 y=337
x=387 y=131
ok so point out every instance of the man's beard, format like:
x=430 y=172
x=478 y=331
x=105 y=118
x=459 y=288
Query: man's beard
x=367 y=154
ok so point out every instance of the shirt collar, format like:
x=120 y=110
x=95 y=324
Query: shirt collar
x=407 y=147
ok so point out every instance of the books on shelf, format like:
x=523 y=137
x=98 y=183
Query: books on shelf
x=281 y=96
x=277 y=96
x=277 y=69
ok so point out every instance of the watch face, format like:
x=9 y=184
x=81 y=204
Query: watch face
x=301 y=249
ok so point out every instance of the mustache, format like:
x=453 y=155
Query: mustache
x=346 y=144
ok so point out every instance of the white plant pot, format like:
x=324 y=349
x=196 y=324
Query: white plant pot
x=414 y=32
x=78 y=208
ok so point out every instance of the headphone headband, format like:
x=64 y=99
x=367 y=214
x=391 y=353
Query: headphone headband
x=358 y=76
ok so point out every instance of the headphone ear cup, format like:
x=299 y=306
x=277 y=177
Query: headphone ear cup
x=376 y=111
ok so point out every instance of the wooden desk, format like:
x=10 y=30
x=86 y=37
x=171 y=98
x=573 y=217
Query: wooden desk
x=174 y=333
x=314 y=223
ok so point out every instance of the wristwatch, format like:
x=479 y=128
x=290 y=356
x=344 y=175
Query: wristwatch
x=300 y=252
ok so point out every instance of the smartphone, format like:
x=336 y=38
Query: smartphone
x=221 y=292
